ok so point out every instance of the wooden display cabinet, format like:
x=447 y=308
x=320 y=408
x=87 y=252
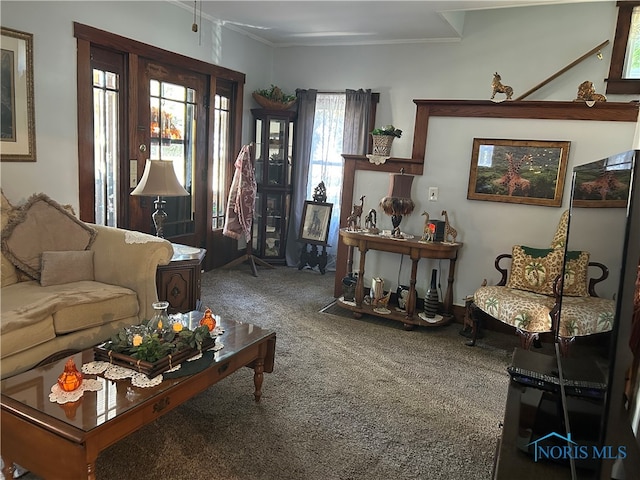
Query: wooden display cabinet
x=274 y=131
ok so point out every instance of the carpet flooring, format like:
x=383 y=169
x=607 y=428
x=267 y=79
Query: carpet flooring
x=349 y=398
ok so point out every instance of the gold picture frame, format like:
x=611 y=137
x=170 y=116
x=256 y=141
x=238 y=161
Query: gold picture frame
x=18 y=130
x=528 y=172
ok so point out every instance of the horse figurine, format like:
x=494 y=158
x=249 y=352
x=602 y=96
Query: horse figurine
x=498 y=87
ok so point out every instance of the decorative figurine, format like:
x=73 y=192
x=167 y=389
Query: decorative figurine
x=320 y=193
x=448 y=229
x=353 y=220
x=429 y=229
x=208 y=320
x=498 y=87
x=370 y=221
x=71 y=378
x=587 y=93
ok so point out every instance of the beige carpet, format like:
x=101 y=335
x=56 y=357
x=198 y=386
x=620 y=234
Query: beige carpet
x=349 y=399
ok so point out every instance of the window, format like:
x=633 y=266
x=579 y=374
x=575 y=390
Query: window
x=221 y=121
x=106 y=119
x=624 y=71
x=325 y=164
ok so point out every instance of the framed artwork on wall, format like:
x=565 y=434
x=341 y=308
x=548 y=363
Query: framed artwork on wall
x=529 y=172
x=604 y=184
x=314 y=227
x=17 y=125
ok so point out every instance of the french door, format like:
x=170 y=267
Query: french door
x=137 y=102
x=172 y=117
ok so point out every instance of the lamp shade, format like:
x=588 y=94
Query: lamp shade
x=400 y=185
x=398 y=200
x=159 y=180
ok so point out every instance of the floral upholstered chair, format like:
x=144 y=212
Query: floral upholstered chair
x=527 y=297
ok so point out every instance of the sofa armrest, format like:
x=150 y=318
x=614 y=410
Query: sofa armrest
x=130 y=259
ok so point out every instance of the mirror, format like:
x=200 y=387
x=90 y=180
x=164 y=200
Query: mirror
x=598 y=224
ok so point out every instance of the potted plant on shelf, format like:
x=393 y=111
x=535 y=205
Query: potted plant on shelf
x=383 y=138
x=274 y=98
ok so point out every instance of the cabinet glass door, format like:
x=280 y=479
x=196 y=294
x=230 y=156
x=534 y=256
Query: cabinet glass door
x=277 y=161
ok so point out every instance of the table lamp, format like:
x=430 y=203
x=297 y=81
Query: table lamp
x=398 y=200
x=159 y=180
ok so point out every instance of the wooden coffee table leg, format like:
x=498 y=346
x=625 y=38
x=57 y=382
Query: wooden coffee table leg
x=8 y=467
x=258 y=377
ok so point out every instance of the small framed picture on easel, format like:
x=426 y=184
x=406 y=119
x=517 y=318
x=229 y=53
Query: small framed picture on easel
x=314 y=227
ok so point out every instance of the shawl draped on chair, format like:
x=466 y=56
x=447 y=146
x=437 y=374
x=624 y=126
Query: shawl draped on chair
x=242 y=196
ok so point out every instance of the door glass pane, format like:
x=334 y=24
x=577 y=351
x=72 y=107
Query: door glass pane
x=220 y=142
x=173 y=136
x=106 y=120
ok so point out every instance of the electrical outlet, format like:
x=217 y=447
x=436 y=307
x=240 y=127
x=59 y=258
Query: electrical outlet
x=433 y=194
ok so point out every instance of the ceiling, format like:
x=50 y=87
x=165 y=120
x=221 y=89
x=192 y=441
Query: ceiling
x=332 y=22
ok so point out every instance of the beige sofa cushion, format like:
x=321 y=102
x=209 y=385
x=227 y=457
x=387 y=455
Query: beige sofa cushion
x=123 y=304
x=72 y=306
x=27 y=337
x=43 y=225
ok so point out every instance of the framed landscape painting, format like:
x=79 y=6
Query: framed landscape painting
x=529 y=172
x=17 y=123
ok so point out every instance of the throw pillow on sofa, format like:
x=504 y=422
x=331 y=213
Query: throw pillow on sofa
x=65 y=267
x=43 y=225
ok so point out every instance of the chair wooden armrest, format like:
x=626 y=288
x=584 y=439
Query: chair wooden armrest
x=503 y=270
x=593 y=281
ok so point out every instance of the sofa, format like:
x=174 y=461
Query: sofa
x=67 y=284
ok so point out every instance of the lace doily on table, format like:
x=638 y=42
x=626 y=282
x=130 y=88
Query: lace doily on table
x=142 y=381
x=217 y=331
x=58 y=395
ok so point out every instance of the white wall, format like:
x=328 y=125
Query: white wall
x=525 y=45
x=161 y=24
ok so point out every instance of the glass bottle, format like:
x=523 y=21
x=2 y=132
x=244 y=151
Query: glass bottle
x=160 y=321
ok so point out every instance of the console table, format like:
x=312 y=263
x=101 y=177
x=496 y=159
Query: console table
x=415 y=249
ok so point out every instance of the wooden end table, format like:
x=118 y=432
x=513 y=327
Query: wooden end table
x=56 y=441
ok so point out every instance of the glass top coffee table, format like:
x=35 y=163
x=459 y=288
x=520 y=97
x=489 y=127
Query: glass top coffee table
x=63 y=440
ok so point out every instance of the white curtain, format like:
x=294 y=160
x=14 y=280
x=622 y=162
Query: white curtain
x=325 y=164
